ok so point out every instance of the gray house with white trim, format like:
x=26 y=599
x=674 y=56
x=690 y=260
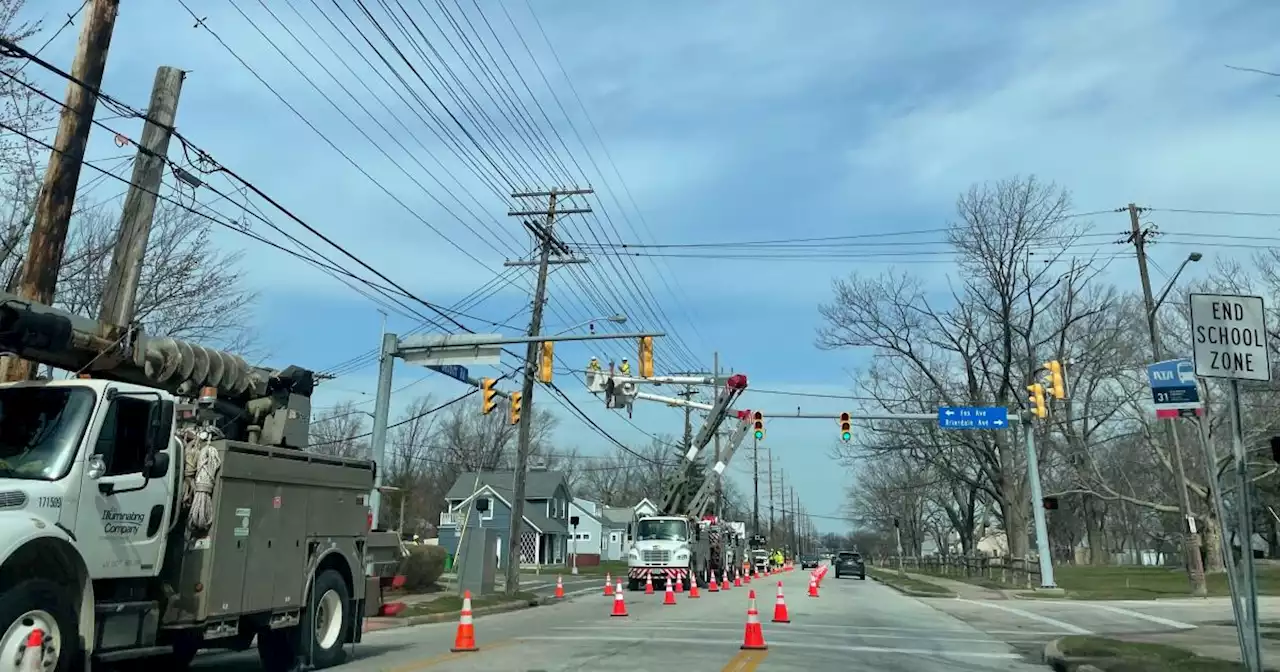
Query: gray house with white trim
x=545 y=534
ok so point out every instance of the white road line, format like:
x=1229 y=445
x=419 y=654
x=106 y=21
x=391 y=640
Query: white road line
x=1074 y=629
x=1167 y=622
x=776 y=644
x=802 y=626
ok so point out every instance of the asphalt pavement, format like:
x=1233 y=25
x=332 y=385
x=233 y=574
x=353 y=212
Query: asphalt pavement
x=853 y=625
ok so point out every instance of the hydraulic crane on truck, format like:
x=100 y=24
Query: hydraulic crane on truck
x=680 y=542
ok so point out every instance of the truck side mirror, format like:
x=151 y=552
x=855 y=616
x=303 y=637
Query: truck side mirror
x=157 y=465
x=161 y=428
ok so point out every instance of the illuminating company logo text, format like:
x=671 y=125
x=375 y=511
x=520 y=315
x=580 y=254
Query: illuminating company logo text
x=122 y=523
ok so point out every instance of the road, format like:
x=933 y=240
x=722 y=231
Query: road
x=853 y=625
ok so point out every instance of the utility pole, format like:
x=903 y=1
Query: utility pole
x=56 y=200
x=121 y=291
x=769 y=451
x=715 y=373
x=544 y=237
x=782 y=493
x=795 y=524
x=755 y=484
x=1191 y=538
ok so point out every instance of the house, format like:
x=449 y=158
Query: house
x=645 y=508
x=585 y=536
x=615 y=530
x=545 y=534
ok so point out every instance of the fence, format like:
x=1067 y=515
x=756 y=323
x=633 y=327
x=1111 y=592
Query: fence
x=1002 y=571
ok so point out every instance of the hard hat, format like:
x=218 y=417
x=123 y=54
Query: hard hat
x=624 y=359
x=593 y=359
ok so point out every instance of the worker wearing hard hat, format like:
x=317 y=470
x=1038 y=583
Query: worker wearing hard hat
x=594 y=365
x=625 y=369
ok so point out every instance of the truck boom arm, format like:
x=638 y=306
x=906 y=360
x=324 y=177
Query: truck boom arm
x=676 y=500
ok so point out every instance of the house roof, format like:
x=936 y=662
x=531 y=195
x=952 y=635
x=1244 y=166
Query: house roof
x=545 y=525
x=537 y=485
x=618 y=515
x=578 y=505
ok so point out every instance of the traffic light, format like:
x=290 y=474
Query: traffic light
x=646 y=357
x=1036 y=397
x=1050 y=503
x=758 y=417
x=490 y=394
x=515 y=408
x=548 y=360
x=846 y=428
x=1057 y=384
x=1275 y=448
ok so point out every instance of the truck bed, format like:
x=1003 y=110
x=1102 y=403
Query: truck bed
x=277 y=512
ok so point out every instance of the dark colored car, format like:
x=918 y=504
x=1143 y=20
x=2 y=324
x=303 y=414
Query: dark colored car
x=848 y=563
x=808 y=562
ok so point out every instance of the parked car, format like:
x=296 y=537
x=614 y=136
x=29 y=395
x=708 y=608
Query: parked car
x=849 y=563
x=808 y=562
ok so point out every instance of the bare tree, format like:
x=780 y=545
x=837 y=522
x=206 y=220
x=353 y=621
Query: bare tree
x=20 y=159
x=341 y=432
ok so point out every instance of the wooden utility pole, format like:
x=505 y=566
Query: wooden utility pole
x=795 y=525
x=544 y=237
x=782 y=494
x=1191 y=539
x=769 y=450
x=57 y=196
x=121 y=291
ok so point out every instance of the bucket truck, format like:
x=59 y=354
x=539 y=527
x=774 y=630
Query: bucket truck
x=160 y=501
x=681 y=542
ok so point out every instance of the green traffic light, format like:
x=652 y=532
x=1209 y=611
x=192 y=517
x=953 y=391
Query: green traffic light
x=759 y=435
x=846 y=436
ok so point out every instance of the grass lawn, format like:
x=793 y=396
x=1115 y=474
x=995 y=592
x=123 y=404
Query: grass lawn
x=613 y=567
x=1112 y=582
x=453 y=604
x=1118 y=656
x=891 y=579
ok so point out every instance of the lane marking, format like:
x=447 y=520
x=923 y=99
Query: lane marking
x=746 y=661
x=1074 y=629
x=427 y=663
x=817 y=626
x=797 y=645
x=1167 y=622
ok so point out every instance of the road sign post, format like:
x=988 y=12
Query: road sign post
x=973 y=417
x=1229 y=340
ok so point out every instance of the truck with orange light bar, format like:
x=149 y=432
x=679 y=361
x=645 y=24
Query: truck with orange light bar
x=161 y=500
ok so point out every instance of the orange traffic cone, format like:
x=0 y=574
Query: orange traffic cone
x=780 y=614
x=619 y=605
x=671 y=595
x=724 y=581
x=648 y=584
x=465 y=640
x=693 y=588
x=713 y=586
x=679 y=583
x=32 y=656
x=753 y=638
x=559 y=588
x=813 y=587
x=737 y=580
x=608 y=585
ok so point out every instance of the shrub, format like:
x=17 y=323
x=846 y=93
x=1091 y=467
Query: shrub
x=422 y=567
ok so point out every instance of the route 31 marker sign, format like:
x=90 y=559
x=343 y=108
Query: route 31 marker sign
x=1229 y=337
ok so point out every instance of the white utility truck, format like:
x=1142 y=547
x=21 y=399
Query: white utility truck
x=159 y=501
x=678 y=543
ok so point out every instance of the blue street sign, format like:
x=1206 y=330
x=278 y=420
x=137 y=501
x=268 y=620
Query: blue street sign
x=973 y=417
x=1173 y=388
x=453 y=371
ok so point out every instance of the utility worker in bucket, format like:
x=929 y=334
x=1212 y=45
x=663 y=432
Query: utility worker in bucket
x=625 y=369
x=593 y=366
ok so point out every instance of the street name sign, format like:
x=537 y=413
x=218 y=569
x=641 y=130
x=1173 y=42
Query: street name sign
x=1173 y=388
x=1229 y=337
x=453 y=371
x=973 y=417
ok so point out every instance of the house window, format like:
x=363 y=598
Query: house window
x=487 y=514
x=585 y=536
x=613 y=537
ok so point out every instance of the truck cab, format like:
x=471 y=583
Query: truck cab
x=663 y=550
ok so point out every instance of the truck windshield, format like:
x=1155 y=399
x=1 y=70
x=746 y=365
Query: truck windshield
x=668 y=530
x=40 y=429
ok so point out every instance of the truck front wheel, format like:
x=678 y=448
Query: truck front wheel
x=44 y=605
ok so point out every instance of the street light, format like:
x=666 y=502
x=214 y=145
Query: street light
x=1194 y=256
x=620 y=318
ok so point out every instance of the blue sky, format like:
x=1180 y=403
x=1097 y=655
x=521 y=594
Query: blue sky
x=726 y=121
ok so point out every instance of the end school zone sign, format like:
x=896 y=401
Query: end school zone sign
x=1229 y=337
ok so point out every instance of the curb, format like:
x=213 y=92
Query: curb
x=1060 y=662
x=501 y=608
x=909 y=592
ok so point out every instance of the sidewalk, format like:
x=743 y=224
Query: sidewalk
x=962 y=589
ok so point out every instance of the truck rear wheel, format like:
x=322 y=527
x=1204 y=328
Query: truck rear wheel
x=44 y=605
x=323 y=632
